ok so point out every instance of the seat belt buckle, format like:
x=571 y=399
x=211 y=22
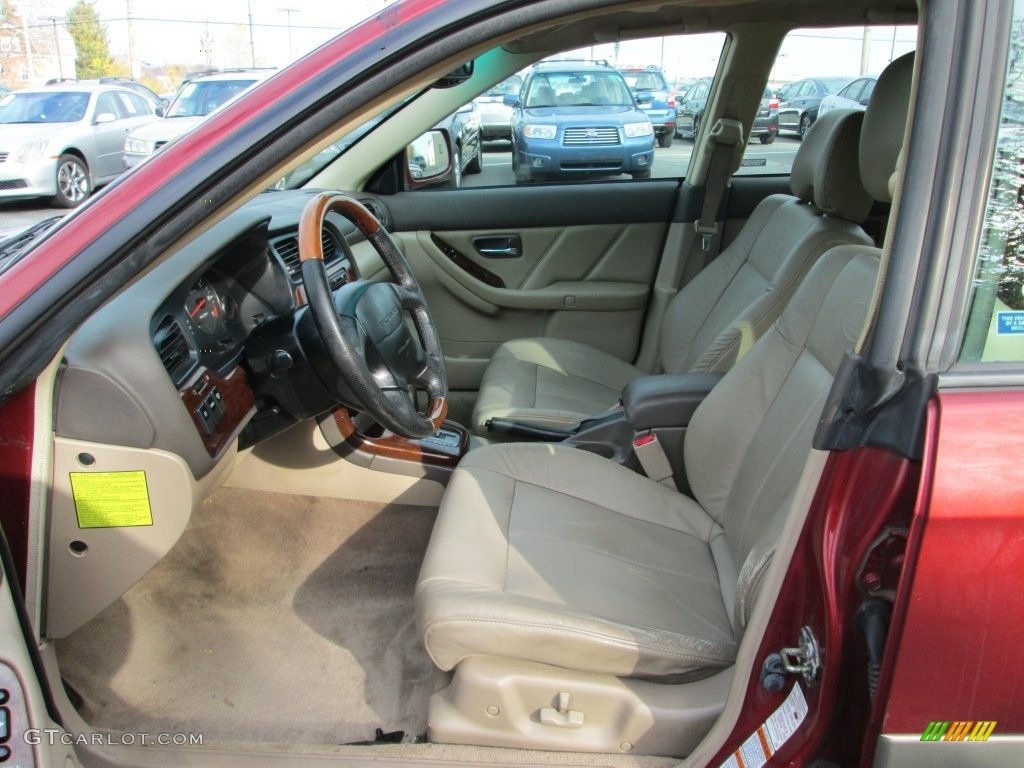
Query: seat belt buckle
x=707 y=233
x=653 y=460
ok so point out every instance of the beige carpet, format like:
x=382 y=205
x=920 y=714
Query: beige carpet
x=276 y=619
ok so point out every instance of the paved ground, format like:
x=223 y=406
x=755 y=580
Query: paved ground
x=18 y=214
x=670 y=162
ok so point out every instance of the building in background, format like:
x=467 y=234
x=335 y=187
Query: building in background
x=34 y=47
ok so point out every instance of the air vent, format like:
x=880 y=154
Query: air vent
x=287 y=249
x=174 y=349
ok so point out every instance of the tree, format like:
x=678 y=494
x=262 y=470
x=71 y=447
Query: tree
x=91 y=45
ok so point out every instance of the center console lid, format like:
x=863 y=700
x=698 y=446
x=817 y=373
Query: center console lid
x=666 y=400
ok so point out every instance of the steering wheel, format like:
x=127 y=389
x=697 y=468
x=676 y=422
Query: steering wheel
x=363 y=326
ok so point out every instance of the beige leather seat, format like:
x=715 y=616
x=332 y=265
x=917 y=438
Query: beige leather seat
x=719 y=314
x=583 y=606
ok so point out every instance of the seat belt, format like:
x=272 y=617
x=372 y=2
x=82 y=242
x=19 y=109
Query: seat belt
x=727 y=137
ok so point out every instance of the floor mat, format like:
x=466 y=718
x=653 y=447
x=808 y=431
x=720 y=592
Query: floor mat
x=275 y=619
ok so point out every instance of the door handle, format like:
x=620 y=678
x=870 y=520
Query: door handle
x=499 y=247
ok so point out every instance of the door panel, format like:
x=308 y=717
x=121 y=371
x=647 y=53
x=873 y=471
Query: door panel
x=573 y=261
x=587 y=283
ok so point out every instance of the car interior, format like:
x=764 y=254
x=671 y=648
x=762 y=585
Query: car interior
x=505 y=474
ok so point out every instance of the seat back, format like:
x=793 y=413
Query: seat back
x=718 y=316
x=749 y=440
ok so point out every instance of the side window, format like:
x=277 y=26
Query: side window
x=865 y=95
x=812 y=67
x=107 y=103
x=995 y=324
x=616 y=112
x=132 y=105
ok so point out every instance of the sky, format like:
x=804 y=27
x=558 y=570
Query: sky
x=216 y=32
x=179 y=31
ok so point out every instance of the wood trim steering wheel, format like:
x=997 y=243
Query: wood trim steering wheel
x=363 y=325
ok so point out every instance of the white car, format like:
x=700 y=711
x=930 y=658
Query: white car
x=853 y=96
x=195 y=99
x=64 y=140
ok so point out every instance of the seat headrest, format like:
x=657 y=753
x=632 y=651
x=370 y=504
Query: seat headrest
x=826 y=171
x=881 y=138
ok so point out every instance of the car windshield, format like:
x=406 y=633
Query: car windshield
x=579 y=89
x=198 y=99
x=645 y=81
x=55 y=107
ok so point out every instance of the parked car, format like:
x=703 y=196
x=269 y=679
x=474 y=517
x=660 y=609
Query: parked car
x=690 y=108
x=799 y=107
x=766 y=124
x=463 y=126
x=197 y=97
x=855 y=95
x=242 y=525
x=495 y=114
x=578 y=119
x=64 y=140
x=653 y=95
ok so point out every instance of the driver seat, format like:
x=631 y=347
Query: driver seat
x=582 y=606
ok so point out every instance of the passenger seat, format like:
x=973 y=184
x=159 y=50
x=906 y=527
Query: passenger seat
x=713 y=320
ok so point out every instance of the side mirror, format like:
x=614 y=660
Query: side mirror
x=161 y=110
x=428 y=160
x=104 y=117
x=511 y=100
x=644 y=98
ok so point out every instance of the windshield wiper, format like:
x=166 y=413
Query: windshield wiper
x=16 y=246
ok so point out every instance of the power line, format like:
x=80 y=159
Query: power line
x=268 y=25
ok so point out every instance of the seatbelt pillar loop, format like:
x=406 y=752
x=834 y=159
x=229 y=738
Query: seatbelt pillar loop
x=653 y=459
x=726 y=136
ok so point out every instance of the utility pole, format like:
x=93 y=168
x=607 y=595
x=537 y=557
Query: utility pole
x=865 y=51
x=252 y=44
x=56 y=44
x=131 y=39
x=28 y=47
x=288 y=12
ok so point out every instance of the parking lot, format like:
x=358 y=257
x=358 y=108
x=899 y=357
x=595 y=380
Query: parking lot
x=670 y=162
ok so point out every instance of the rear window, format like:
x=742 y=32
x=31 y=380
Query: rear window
x=645 y=81
x=509 y=87
x=834 y=84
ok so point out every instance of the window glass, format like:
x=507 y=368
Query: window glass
x=995 y=325
x=812 y=66
x=43 y=107
x=131 y=105
x=586 y=115
x=106 y=103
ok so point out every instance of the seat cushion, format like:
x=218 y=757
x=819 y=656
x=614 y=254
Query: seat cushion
x=555 y=555
x=550 y=382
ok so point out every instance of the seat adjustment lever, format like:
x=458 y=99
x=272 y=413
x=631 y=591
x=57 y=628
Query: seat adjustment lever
x=563 y=717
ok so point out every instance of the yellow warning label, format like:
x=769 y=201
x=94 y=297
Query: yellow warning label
x=111 y=499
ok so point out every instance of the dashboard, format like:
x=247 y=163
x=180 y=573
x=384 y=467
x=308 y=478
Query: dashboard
x=181 y=379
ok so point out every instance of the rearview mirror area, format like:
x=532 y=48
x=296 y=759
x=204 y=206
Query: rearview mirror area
x=456 y=76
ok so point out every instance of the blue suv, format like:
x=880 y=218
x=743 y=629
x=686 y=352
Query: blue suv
x=650 y=88
x=574 y=119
